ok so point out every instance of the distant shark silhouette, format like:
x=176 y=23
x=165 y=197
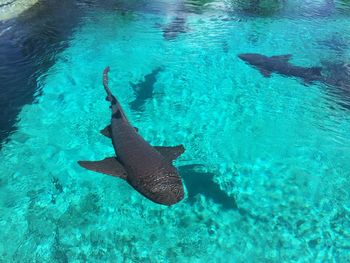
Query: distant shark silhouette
x=144 y=89
x=336 y=76
x=281 y=65
x=177 y=24
x=146 y=168
x=175 y=27
x=201 y=183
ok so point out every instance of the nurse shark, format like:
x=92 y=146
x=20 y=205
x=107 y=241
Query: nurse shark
x=148 y=169
x=335 y=76
x=281 y=65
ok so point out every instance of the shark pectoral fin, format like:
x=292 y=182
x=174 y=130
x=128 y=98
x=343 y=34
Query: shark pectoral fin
x=107 y=131
x=172 y=152
x=283 y=57
x=110 y=166
x=265 y=72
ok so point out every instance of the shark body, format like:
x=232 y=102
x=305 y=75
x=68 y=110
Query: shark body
x=281 y=65
x=147 y=169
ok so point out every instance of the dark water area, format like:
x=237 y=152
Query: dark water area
x=291 y=9
x=28 y=46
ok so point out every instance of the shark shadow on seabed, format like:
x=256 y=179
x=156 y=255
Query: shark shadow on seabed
x=27 y=50
x=144 y=90
x=199 y=182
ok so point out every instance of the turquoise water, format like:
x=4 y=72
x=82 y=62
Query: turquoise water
x=280 y=149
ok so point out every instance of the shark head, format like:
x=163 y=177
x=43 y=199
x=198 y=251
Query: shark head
x=253 y=59
x=167 y=191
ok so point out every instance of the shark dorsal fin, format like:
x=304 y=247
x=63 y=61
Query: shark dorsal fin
x=107 y=131
x=283 y=57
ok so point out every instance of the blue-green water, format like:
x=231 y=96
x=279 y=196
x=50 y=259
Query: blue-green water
x=278 y=149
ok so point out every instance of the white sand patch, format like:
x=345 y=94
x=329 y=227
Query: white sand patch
x=10 y=8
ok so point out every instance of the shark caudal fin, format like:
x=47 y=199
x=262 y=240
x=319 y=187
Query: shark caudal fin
x=117 y=111
x=105 y=84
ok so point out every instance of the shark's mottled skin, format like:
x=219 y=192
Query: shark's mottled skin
x=280 y=65
x=148 y=169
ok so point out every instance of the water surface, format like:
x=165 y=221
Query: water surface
x=275 y=152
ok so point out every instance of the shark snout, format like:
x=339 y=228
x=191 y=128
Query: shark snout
x=175 y=194
x=246 y=56
x=169 y=192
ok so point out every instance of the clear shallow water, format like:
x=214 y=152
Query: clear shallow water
x=277 y=149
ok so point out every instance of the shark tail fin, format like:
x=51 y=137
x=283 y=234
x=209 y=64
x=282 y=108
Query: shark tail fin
x=117 y=111
x=105 y=84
